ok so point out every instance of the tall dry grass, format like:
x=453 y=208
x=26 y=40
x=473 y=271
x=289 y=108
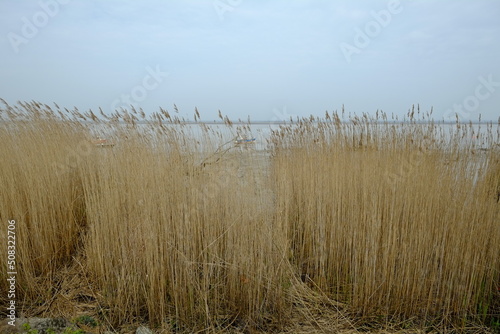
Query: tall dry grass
x=380 y=220
x=393 y=218
x=160 y=230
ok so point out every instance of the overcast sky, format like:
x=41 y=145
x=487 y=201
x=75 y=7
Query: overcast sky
x=263 y=59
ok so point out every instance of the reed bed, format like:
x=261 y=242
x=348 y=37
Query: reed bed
x=340 y=225
x=402 y=222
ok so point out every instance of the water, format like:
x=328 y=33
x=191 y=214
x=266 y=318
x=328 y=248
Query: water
x=210 y=136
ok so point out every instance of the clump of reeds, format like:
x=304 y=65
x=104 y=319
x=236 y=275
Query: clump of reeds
x=395 y=219
x=41 y=192
x=160 y=230
x=374 y=218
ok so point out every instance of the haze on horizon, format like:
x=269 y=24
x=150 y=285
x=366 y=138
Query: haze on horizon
x=267 y=60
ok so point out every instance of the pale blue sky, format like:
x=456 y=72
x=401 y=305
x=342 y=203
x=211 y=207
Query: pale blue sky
x=267 y=59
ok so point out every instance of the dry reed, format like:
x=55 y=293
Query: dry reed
x=378 y=220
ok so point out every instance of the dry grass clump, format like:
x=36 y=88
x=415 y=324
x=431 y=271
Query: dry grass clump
x=179 y=241
x=46 y=204
x=163 y=232
x=381 y=217
x=343 y=224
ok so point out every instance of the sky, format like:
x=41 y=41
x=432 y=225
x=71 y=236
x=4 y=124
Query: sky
x=263 y=60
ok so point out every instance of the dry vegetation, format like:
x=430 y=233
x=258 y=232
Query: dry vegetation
x=351 y=226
